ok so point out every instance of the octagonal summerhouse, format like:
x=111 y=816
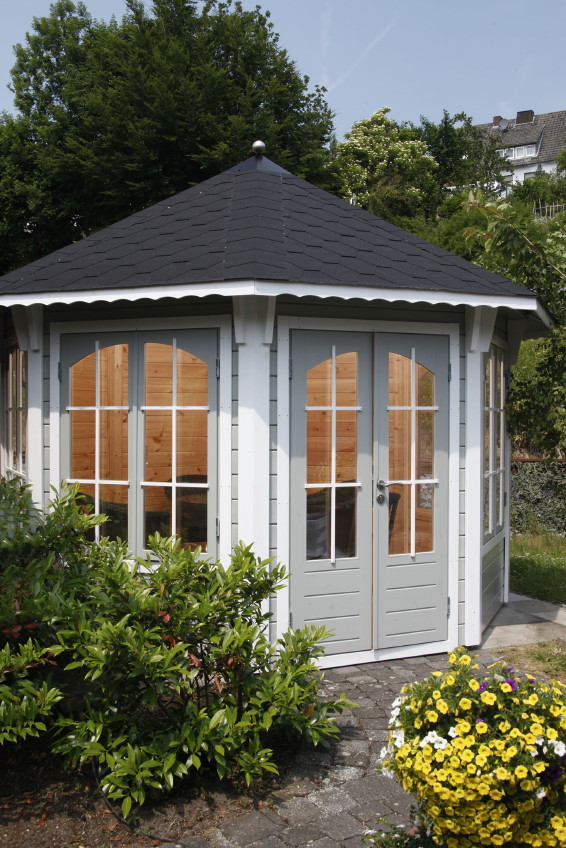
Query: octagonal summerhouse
x=256 y=359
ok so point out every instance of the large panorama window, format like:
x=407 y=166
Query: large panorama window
x=139 y=435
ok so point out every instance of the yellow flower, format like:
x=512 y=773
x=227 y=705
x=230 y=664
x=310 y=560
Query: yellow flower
x=474 y=685
x=465 y=704
x=505 y=687
x=488 y=697
x=431 y=716
x=481 y=727
x=502 y=773
x=504 y=726
x=442 y=706
x=536 y=729
x=532 y=699
x=521 y=772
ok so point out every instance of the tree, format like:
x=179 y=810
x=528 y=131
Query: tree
x=533 y=254
x=115 y=116
x=384 y=167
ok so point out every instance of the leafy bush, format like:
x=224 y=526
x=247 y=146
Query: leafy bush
x=538 y=496
x=486 y=760
x=164 y=663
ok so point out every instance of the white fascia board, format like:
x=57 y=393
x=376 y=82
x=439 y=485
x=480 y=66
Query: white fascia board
x=273 y=289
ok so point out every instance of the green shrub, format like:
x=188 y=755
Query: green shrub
x=164 y=663
x=485 y=760
x=538 y=497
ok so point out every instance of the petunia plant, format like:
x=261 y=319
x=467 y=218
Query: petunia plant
x=485 y=758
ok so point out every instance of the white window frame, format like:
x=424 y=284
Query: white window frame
x=16 y=407
x=494 y=468
x=224 y=426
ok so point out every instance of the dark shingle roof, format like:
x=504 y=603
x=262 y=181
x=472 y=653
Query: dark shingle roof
x=548 y=130
x=253 y=222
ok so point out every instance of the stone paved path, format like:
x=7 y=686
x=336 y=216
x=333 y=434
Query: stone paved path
x=328 y=799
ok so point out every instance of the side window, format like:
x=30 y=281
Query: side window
x=16 y=412
x=494 y=441
x=139 y=433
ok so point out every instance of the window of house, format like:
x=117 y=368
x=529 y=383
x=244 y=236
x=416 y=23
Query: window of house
x=16 y=413
x=530 y=150
x=519 y=152
x=139 y=432
x=494 y=441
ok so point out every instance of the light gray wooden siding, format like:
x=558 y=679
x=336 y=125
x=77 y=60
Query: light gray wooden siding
x=492 y=573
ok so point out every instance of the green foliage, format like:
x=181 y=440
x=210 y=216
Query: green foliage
x=164 y=663
x=483 y=757
x=538 y=497
x=538 y=566
x=544 y=189
x=116 y=116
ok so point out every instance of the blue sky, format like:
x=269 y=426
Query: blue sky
x=486 y=57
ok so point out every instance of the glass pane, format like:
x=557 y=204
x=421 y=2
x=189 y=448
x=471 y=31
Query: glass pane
x=86 y=499
x=158 y=374
x=425 y=386
x=23 y=400
x=114 y=504
x=499 y=382
x=345 y=545
x=498 y=418
x=400 y=445
x=113 y=375
x=498 y=513
x=14 y=439
x=319 y=446
x=192 y=380
x=424 y=515
x=158 y=441
x=23 y=436
x=192 y=447
x=319 y=384
x=347 y=379
x=13 y=382
x=192 y=516
x=157 y=511
x=425 y=445
x=83 y=430
x=346 y=447
x=82 y=377
x=486 y=504
x=399 y=519
x=113 y=445
x=487 y=401
x=399 y=380
x=487 y=441
x=318 y=524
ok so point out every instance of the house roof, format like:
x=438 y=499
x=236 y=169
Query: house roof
x=547 y=131
x=254 y=222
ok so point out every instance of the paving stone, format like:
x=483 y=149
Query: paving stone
x=194 y=842
x=332 y=800
x=341 y=826
x=301 y=835
x=270 y=842
x=341 y=774
x=297 y=810
x=249 y=828
x=216 y=839
x=325 y=842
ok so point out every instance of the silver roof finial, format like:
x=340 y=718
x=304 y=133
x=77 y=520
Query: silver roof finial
x=258 y=147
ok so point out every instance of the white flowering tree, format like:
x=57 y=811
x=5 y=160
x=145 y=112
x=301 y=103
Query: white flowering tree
x=384 y=168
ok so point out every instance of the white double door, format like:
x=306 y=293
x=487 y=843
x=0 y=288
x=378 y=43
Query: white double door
x=369 y=487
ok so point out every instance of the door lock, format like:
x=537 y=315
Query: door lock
x=380 y=498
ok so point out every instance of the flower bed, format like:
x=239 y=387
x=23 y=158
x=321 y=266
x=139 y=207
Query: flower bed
x=485 y=758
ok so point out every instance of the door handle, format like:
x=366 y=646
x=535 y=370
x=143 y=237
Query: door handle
x=382 y=485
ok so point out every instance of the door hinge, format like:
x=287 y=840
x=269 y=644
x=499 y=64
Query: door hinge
x=59 y=372
x=449 y=371
x=448 y=609
x=217 y=528
x=290 y=619
x=217 y=367
x=290 y=369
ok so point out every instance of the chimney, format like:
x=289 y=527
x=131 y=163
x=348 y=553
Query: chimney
x=496 y=120
x=526 y=117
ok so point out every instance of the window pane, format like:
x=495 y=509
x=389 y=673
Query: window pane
x=399 y=380
x=345 y=545
x=83 y=431
x=486 y=502
x=158 y=453
x=158 y=374
x=425 y=386
x=347 y=379
x=83 y=381
x=192 y=380
x=319 y=384
x=318 y=524
x=346 y=447
x=487 y=399
x=192 y=516
x=86 y=500
x=114 y=504
x=14 y=439
x=498 y=418
x=23 y=437
x=157 y=511
x=113 y=370
x=23 y=389
x=113 y=445
x=400 y=445
x=192 y=447
x=424 y=516
x=425 y=444
x=487 y=442
x=399 y=519
x=319 y=446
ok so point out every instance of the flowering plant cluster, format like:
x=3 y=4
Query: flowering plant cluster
x=485 y=758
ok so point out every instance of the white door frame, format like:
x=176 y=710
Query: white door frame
x=284 y=326
x=224 y=326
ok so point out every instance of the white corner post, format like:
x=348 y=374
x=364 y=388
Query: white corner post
x=254 y=317
x=480 y=323
x=28 y=324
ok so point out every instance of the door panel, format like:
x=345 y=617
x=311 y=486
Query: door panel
x=411 y=415
x=331 y=487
